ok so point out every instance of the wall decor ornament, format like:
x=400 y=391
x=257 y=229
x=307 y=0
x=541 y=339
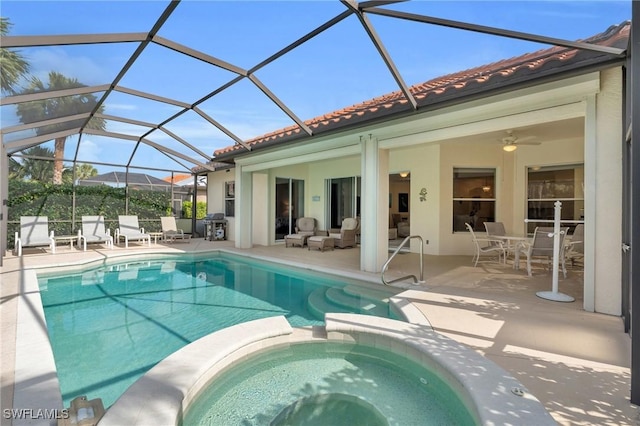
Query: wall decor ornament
x=423 y=194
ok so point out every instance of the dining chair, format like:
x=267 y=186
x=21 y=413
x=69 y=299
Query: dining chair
x=540 y=248
x=575 y=247
x=493 y=246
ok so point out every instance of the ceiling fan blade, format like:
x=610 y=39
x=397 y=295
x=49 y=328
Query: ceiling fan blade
x=525 y=138
x=527 y=143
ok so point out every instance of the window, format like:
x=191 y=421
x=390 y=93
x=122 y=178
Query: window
x=545 y=186
x=343 y=199
x=229 y=198
x=473 y=198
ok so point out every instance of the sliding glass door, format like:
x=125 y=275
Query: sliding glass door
x=344 y=199
x=289 y=205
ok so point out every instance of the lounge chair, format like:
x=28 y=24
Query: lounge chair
x=129 y=229
x=34 y=232
x=541 y=248
x=494 y=247
x=170 y=231
x=93 y=231
x=346 y=235
x=305 y=228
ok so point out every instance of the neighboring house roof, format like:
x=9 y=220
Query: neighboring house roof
x=497 y=76
x=120 y=178
x=185 y=180
x=177 y=178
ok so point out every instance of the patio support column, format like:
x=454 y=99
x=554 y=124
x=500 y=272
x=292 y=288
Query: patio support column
x=590 y=159
x=603 y=196
x=4 y=197
x=243 y=217
x=374 y=228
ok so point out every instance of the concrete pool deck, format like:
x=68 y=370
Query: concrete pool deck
x=575 y=362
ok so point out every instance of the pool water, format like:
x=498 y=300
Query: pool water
x=108 y=326
x=327 y=384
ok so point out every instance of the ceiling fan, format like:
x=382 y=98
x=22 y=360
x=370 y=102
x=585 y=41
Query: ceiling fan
x=510 y=142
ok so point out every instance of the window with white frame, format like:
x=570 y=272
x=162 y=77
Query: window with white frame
x=474 y=199
x=229 y=198
x=545 y=186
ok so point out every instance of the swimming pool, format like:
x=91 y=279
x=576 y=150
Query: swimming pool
x=110 y=325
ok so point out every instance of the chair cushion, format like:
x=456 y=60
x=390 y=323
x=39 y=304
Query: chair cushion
x=338 y=235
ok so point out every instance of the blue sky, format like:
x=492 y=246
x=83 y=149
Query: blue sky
x=336 y=69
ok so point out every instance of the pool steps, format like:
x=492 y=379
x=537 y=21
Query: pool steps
x=334 y=299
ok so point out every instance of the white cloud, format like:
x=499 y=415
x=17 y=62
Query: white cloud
x=56 y=59
x=90 y=151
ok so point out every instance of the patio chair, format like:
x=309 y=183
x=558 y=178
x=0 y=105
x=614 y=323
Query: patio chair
x=540 y=248
x=129 y=229
x=170 y=231
x=575 y=247
x=305 y=228
x=495 y=230
x=93 y=231
x=34 y=232
x=494 y=246
x=346 y=235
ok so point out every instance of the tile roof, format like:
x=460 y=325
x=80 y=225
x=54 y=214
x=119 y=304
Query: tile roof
x=501 y=74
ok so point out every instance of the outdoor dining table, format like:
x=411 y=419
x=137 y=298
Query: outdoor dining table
x=512 y=242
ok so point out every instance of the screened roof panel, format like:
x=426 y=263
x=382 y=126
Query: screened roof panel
x=248 y=32
x=81 y=17
x=435 y=58
x=139 y=108
x=570 y=20
x=313 y=69
x=193 y=128
x=246 y=111
x=163 y=71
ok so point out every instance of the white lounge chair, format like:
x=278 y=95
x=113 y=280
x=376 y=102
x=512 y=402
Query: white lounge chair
x=129 y=229
x=93 y=231
x=34 y=232
x=170 y=231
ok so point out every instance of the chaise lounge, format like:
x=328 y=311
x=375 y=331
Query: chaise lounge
x=93 y=231
x=129 y=229
x=34 y=232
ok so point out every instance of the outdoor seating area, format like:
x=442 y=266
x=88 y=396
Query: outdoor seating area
x=305 y=228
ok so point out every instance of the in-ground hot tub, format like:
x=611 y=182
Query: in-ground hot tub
x=476 y=391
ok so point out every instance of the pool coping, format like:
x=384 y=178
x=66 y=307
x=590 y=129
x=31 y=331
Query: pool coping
x=164 y=393
x=36 y=383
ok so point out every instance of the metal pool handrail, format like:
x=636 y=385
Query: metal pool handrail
x=402 y=244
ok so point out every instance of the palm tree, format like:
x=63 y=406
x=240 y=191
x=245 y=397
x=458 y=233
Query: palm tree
x=16 y=171
x=12 y=65
x=33 y=165
x=34 y=111
x=84 y=171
